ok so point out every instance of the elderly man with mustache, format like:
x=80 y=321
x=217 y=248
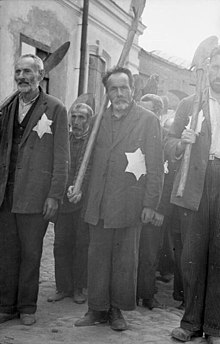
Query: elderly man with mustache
x=124 y=189
x=34 y=150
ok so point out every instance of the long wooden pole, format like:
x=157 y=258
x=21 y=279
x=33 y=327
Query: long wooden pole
x=125 y=51
x=195 y=112
x=83 y=47
x=199 y=61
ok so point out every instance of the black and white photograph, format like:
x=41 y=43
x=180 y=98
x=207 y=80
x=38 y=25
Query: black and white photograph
x=109 y=171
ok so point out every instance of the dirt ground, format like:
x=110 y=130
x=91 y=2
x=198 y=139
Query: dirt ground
x=55 y=321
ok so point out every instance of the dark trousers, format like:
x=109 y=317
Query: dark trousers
x=21 y=241
x=166 y=256
x=112 y=267
x=177 y=248
x=71 y=252
x=150 y=244
x=201 y=258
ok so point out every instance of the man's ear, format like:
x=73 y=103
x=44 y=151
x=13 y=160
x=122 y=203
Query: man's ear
x=41 y=74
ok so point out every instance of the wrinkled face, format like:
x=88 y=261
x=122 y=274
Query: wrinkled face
x=80 y=120
x=214 y=74
x=27 y=75
x=119 y=91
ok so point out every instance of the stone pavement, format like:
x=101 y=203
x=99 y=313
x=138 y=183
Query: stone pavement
x=55 y=321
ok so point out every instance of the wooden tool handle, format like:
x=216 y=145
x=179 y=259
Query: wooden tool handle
x=187 y=153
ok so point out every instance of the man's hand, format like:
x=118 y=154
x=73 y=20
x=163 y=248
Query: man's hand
x=188 y=137
x=73 y=197
x=157 y=219
x=147 y=215
x=50 y=208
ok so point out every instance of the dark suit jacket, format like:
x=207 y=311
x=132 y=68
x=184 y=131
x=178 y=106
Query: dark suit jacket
x=42 y=163
x=125 y=196
x=199 y=154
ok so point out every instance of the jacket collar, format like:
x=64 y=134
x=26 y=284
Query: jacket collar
x=11 y=114
x=128 y=123
x=35 y=116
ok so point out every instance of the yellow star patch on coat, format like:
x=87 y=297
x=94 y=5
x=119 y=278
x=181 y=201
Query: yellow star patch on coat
x=43 y=126
x=136 y=163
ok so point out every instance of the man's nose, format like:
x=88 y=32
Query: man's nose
x=77 y=121
x=20 y=74
x=119 y=92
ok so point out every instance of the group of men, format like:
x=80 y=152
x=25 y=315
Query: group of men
x=125 y=180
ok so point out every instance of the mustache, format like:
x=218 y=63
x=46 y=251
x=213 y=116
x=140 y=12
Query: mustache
x=216 y=80
x=120 y=98
x=23 y=81
x=76 y=127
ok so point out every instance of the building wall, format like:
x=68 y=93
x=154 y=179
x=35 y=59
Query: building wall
x=44 y=23
x=171 y=76
x=53 y=22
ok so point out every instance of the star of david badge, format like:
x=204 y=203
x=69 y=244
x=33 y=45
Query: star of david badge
x=136 y=163
x=43 y=126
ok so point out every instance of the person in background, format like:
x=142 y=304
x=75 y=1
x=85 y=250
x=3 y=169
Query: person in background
x=71 y=232
x=125 y=187
x=178 y=293
x=151 y=234
x=199 y=209
x=173 y=232
x=166 y=256
x=172 y=247
x=34 y=150
x=152 y=102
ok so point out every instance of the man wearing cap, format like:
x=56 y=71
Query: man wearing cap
x=151 y=234
x=71 y=232
x=200 y=210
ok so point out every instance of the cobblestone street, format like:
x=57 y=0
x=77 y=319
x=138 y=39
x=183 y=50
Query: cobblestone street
x=55 y=321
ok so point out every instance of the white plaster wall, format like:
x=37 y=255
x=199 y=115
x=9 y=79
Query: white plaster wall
x=50 y=23
x=125 y=4
x=53 y=22
x=109 y=25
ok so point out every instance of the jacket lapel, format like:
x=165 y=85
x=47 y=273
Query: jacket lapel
x=35 y=116
x=127 y=124
x=12 y=112
x=106 y=124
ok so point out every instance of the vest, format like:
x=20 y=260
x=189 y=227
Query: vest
x=18 y=131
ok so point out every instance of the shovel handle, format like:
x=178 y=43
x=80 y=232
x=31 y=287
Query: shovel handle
x=8 y=99
x=195 y=113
